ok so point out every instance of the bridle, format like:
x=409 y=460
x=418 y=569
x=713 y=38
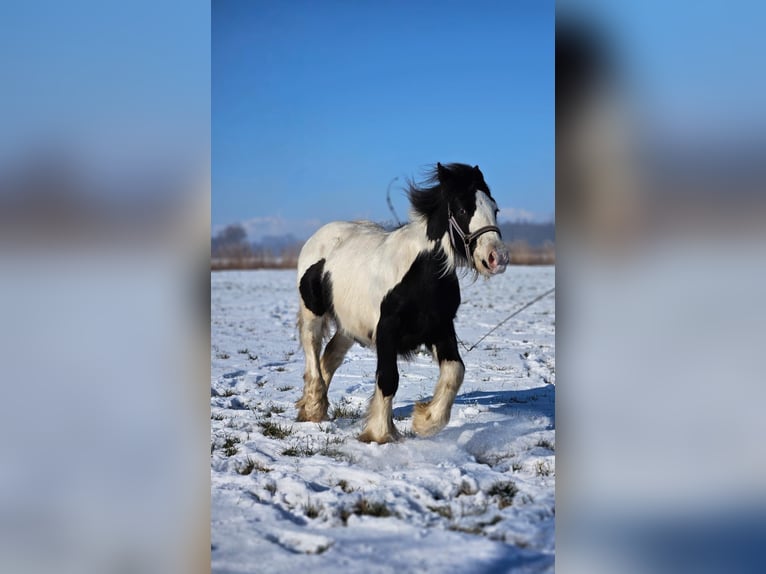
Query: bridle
x=468 y=238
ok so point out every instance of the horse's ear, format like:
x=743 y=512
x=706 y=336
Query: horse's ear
x=478 y=177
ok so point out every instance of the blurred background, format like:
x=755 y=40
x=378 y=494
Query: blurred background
x=104 y=306
x=660 y=212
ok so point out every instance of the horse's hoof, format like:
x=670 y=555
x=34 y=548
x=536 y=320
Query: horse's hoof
x=305 y=416
x=424 y=423
x=311 y=412
x=368 y=437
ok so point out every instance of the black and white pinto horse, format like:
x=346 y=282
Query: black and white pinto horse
x=396 y=291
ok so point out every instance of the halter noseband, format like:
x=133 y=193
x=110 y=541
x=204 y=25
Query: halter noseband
x=468 y=238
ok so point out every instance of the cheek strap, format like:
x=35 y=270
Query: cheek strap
x=468 y=238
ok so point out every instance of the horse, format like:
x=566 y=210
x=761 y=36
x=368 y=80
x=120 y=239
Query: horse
x=395 y=291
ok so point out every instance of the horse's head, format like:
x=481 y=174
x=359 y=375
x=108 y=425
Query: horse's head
x=471 y=216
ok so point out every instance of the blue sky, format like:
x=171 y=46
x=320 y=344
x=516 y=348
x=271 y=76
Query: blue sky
x=119 y=88
x=317 y=106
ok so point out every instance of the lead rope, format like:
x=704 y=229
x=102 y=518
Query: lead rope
x=516 y=312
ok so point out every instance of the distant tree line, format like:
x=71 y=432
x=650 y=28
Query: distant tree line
x=529 y=243
x=230 y=249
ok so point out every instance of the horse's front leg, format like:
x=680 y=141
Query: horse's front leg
x=380 y=420
x=431 y=417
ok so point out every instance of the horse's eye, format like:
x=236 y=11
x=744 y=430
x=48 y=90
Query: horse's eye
x=461 y=211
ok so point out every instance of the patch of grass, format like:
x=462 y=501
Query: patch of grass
x=271 y=487
x=273 y=409
x=542 y=468
x=311 y=510
x=466 y=488
x=477 y=528
x=217 y=416
x=443 y=511
x=504 y=491
x=545 y=444
x=285 y=387
x=274 y=430
x=333 y=439
x=346 y=410
x=327 y=449
x=227 y=393
x=230 y=445
x=222 y=355
x=517 y=466
x=369 y=508
x=246 y=467
x=249 y=465
x=252 y=357
x=330 y=449
x=300 y=450
x=244 y=351
x=365 y=507
x=330 y=441
x=322 y=549
x=344 y=486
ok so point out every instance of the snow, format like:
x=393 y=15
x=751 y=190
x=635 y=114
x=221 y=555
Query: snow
x=478 y=496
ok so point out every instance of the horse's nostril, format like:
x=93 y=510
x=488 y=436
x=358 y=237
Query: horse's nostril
x=492 y=258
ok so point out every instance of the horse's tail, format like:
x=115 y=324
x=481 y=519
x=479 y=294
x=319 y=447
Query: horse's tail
x=326 y=321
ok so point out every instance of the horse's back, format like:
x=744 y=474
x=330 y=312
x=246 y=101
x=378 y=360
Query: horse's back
x=351 y=265
x=332 y=236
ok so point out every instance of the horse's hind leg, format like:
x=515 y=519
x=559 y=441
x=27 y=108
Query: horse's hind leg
x=333 y=355
x=313 y=405
x=429 y=418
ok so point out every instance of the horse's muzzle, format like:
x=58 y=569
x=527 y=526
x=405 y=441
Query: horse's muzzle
x=496 y=260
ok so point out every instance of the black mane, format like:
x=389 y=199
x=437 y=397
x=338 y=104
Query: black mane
x=443 y=182
x=427 y=201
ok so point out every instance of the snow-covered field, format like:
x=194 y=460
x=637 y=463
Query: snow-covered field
x=477 y=497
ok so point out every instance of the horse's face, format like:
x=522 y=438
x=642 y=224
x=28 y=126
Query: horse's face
x=474 y=210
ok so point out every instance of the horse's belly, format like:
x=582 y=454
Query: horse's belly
x=356 y=313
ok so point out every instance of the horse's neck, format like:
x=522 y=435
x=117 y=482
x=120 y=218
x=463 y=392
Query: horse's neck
x=415 y=237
